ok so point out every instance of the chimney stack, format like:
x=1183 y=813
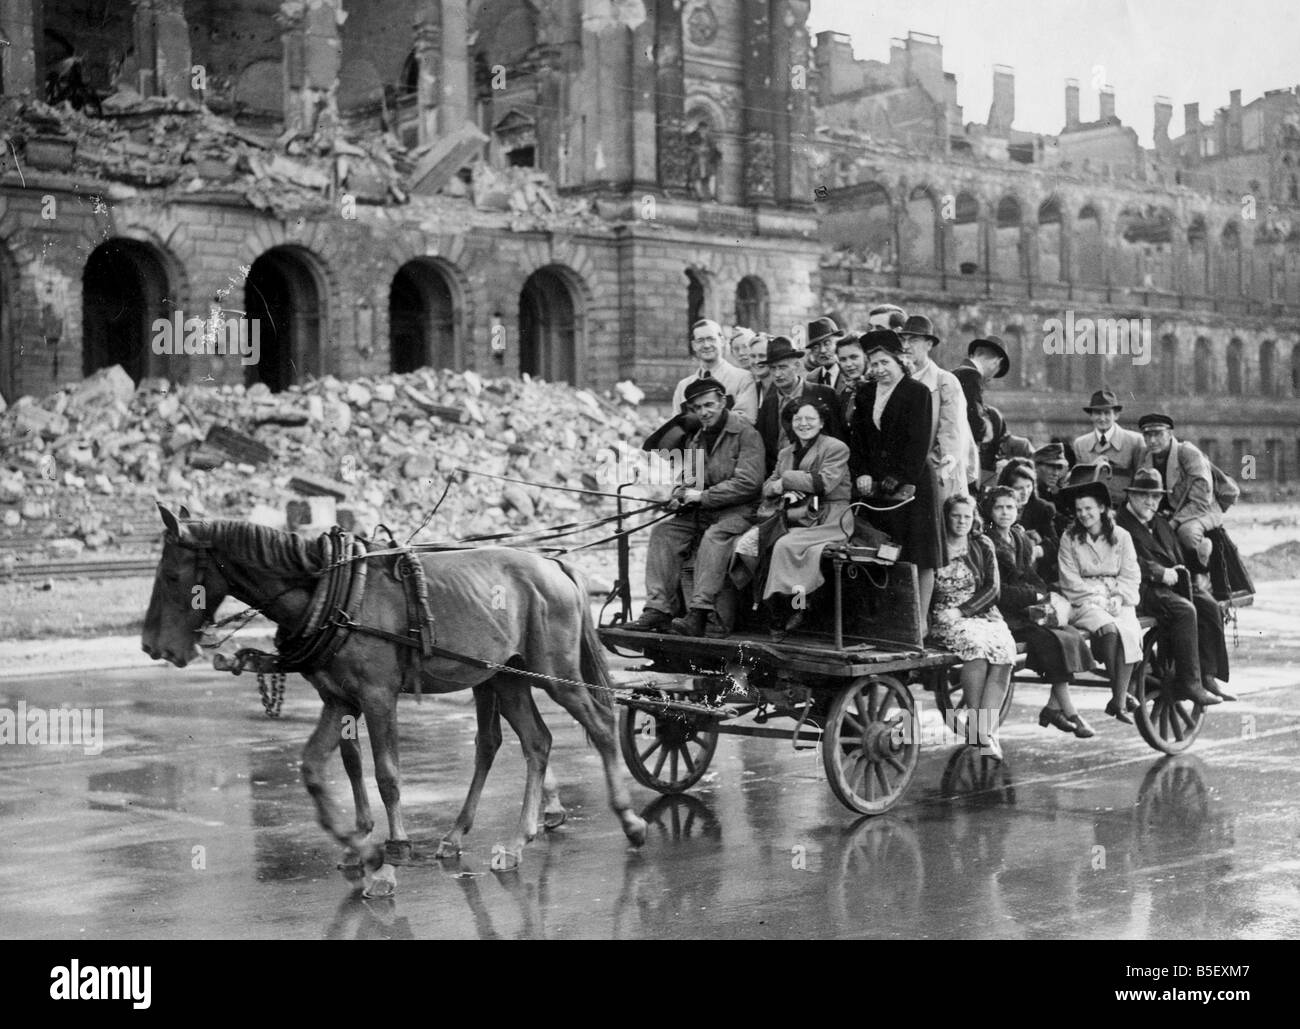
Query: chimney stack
x=1003 y=111
x=1071 y=103
x=1164 y=113
x=1234 y=121
x=1107 y=100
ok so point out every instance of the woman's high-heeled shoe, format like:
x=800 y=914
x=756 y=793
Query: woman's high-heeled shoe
x=1055 y=716
x=1081 y=728
x=1113 y=710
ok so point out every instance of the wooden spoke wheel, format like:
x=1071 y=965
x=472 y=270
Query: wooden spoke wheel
x=870 y=744
x=968 y=773
x=1168 y=722
x=1173 y=801
x=949 y=695
x=682 y=817
x=668 y=751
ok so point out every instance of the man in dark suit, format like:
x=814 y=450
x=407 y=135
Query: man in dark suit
x=986 y=360
x=788 y=385
x=823 y=334
x=1195 y=626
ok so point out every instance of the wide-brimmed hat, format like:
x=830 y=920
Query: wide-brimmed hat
x=673 y=433
x=1104 y=400
x=1155 y=419
x=882 y=339
x=779 y=348
x=921 y=326
x=823 y=328
x=1146 y=480
x=1050 y=453
x=698 y=387
x=1086 y=480
x=995 y=344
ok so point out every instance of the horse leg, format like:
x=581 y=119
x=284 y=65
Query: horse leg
x=553 y=813
x=380 y=709
x=486 y=744
x=315 y=756
x=598 y=721
x=516 y=703
x=350 y=750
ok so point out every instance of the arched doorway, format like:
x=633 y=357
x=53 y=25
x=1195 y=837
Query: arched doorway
x=422 y=319
x=752 y=303
x=548 y=328
x=124 y=289
x=282 y=300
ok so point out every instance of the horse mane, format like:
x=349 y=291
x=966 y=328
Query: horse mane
x=257 y=546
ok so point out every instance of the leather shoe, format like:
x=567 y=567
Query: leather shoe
x=1055 y=716
x=1081 y=728
x=714 y=627
x=691 y=624
x=1113 y=710
x=1212 y=686
x=794 y=622
x=1195 y=691
x=651 y=621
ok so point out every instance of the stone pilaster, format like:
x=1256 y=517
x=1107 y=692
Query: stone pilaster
x=312 y=55
x=162 y=47
x=760 y=184
x=427 y=32
x=669 y=96
x=22 y=23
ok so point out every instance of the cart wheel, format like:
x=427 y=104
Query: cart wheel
x=869 y=746
x=948 y=695
x=682 y=817
x=968 y=773
x=667 y=752
x=1167 y=722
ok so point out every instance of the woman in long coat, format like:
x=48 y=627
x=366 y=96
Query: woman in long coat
x=815 y=465
x=1101 y=579
x=889 y=441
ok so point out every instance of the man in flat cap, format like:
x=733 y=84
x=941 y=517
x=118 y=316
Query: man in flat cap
x=1110 y=442
x=986 y=360
x=1050 y=467
x=706 y=346
x=1195 y=626
x=710 y=514
x=1190 y=505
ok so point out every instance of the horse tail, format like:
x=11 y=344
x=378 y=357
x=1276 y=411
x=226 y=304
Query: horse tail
x=594 y=666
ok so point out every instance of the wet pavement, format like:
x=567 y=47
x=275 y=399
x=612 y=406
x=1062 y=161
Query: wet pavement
x=193 y=823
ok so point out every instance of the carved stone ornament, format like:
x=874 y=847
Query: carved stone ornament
x=702 y=24
x=760 y=181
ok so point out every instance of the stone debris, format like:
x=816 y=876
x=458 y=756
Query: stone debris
x=81 y=469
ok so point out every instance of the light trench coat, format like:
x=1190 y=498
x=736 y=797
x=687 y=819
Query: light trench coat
x=1092 y=571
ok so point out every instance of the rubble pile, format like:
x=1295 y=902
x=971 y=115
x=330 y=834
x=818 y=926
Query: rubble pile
x=81 y=468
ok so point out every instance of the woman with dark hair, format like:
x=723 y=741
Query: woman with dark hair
x=890 y=444
x=812 y=476
x=1101 y=578
x=966 y=620
x=1037 y=516
x=1056 y=653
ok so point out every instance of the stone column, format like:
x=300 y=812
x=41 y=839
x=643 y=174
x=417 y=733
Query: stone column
x=427 y=32
x=454 y=92
x=760 y=183
x=22 y=22
x=669 y=96
x=312 y=55
x=791 y=104
x=162 y=47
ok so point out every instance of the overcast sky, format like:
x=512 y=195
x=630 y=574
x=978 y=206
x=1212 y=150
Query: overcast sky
x=1187 y=50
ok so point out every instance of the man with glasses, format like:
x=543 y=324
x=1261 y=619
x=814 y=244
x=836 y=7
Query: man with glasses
x=1189 y=503
x=710 y=515
x=1195 y=625
x=706 y=346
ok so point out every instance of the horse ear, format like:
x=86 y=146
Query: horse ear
x=185 y=513
x=169 y=520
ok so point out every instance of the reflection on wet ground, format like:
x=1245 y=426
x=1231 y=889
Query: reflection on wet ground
x=193 y=823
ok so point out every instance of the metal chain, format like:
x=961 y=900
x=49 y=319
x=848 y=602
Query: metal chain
x=272 y=698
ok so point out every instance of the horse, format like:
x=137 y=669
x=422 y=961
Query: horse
x=494 y=604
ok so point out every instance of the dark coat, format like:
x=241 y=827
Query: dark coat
x=981 y=559
x=1039 y=516
x=1021 y=585
x=972 y=384
x=774 y=424
x=1156 y=545
x=900 y=449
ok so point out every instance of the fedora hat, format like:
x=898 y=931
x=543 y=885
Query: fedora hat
x=887 y=340
x=995 y=344
x=779 y=349
x=820 y=329
x=673 y=433
x=1146 y=480
x=1104 y=400
x=1086 y=480
x=921 y=326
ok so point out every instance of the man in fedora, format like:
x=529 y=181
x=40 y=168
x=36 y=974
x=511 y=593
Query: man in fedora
x=710 y=514
x=706 y=346
x=789 y=385
x=823 y=334
x=986 y=360
x=953 y=454
x=1190 y=505
x=1195 y=626
x=1110 y=442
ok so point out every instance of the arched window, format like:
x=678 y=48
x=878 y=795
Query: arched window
x=1168 y=359
x=1089 y=266
x=1018 y=377
x=920 y=239
x=1198 y=257
x=1203 y=369
x=694 y=301
x=1008 y=248
x=1295 y=370
x=1236 y=372
x=1268 y=384
x=1230 y=260
x=1050 y=266
x=751 y=303
x=966 y=235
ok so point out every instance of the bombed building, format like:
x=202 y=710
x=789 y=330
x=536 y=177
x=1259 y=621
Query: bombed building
x=560 y=187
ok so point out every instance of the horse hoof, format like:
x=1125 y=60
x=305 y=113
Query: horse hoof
x=382 y=884
x=635 y=830
x=554 y=819
x=398 y=852
x=447 y=849
x=504 y=859
x=351 y=866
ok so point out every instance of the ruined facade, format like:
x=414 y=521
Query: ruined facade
x=560 y=187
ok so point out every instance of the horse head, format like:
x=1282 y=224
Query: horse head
x=187 y=587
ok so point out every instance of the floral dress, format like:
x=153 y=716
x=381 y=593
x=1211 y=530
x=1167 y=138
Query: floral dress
x=980 y=636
